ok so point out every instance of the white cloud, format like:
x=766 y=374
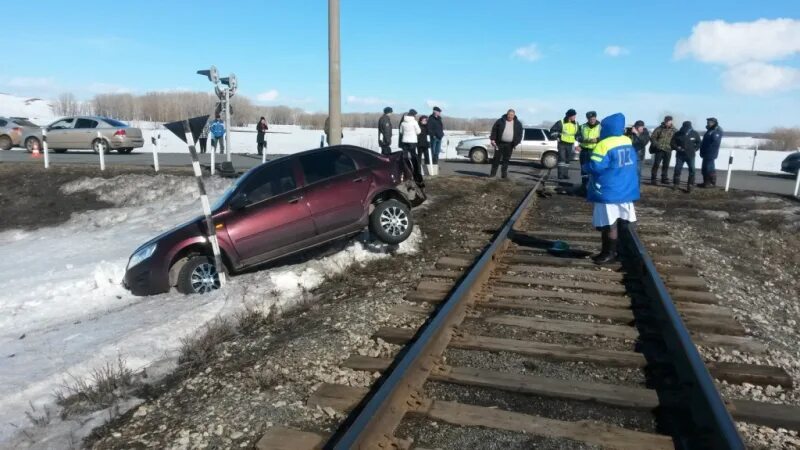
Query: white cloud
x=432 y=103
x=366 y=101
x=748 y=51
x=31 y=82
x=735 y=43
x=760 y=78
x=615 y=51
x=528 y=53
x=268 y=96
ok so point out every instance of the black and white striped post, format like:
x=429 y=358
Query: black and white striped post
x=212 y=232
x=155 y=139
x=44 y=148
x=730 y=171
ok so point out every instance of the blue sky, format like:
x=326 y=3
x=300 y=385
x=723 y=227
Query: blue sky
x=473 y=58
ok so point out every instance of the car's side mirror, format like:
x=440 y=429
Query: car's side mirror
x=239 y=201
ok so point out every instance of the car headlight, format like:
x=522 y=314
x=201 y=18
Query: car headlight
x=142 y=254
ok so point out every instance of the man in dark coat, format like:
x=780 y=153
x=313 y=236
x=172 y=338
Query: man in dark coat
x=639 y=137
x=685 y=143
x=436 y=132
x=506 y=135
x=661 y=149
x=385 y=131
x=709 y=151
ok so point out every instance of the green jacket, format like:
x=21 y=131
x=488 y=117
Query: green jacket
x=661 y=138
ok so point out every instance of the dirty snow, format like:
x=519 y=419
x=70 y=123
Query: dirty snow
x=63 y=311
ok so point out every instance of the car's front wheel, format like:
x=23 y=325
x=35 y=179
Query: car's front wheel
x=391 y=221
x=5 y=143
x=478 y=155
x=550 y=160
x=198 y=276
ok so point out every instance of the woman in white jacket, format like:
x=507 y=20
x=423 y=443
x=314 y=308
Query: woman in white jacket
x=409 y=129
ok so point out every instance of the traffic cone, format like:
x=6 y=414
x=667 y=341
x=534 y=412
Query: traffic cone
x=36 y=153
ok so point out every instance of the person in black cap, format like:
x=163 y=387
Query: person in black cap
x=436 y=132
x=709 y=151
x=639 y=137
x=385 y=131
x=565 y=131
x=588 y=136
x=661 y=149
x=685 y=143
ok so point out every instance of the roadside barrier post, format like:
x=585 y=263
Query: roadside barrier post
x=44 y=149
x=264 y=152
x=730 y=170
x=155 y=139
x=755 y=154
x=797 y=184
x=212 y=231
x=102 y=151
x=213 y=151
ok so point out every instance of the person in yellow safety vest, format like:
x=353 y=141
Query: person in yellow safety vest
x=588 y=136
x=565 y=131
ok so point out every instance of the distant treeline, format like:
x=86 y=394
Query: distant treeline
x=171 y=106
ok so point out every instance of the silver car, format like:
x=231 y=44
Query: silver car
x=13 y=130
x=80 y=133
x=536 y=146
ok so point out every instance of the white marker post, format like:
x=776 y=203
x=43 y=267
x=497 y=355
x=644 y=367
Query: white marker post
x=44 y=149
x=430 y=161
x=213 y=150
x=797 y=184
x=264 y=151
x=730 y=170
x=102 y=151
x=155 y=139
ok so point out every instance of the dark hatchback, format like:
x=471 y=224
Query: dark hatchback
x=791 y=164
x=279 y=208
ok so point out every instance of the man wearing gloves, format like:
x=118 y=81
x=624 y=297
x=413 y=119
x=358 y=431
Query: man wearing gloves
x=709 y=151
x=613 y=184
x=685 y=143
x=385 y=131
x=565 y=130
x=588 y=136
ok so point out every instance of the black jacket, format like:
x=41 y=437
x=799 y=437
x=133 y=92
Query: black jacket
x=261 y=129
x=500 y=126
x=435 y=127
x=385 y=130
x=639 y=141
x=686 y=140
x=422 y=138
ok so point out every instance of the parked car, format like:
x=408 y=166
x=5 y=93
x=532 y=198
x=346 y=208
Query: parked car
x=13 y=129
x=791 y=164
x=536 y=146
x=279 y=208
x=80 y=133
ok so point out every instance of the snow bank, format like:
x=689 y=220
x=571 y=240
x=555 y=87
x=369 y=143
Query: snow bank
x=39 y=111
x=63 y=311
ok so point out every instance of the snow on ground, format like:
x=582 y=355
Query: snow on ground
x=63 y=311
x=40 y=111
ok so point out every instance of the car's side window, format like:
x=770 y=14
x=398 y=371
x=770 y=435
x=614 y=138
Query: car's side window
x=326 y=164
x=62 y=124
x=85 y=123
x=3 y=123
x=534 y=134
x=270 y=181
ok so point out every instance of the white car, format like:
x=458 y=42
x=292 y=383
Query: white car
x=536 y=146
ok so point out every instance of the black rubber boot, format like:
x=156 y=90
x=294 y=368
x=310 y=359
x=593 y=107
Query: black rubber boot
x=675 y=183
x=654 y=181
x=604 y=250
x=609 y=256
x=690 y=184
x=714 y=179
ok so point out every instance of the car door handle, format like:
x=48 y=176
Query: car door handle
x=295 y=199
x=359 y=180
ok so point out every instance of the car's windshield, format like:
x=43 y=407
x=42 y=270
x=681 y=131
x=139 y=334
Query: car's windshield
x=226 y=195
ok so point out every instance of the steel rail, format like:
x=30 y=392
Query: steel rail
x=714 y=426
x=372 y=424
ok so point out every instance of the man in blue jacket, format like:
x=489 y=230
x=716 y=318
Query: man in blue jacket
x=709 y=151
x=217 y=130
x=613 y=169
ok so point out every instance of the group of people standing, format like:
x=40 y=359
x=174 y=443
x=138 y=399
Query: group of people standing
x=664 y=140
x=420 y=138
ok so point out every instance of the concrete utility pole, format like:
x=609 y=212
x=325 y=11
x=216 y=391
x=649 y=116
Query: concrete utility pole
x=334 y=75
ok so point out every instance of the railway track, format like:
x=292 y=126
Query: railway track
x=525 y=349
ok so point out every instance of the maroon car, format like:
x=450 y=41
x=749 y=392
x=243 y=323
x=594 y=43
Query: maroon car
x=279 y=208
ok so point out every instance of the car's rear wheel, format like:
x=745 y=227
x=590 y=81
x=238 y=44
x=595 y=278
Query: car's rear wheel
x=5 y=143
x=96 y=146
x=550 y=160
x=198 y=276
x=391 y=221
x=478 y=155
x=30 y=142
